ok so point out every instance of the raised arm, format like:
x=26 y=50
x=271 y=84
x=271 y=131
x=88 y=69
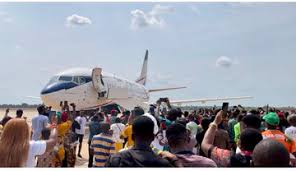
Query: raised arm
x=209 y=137
x=52 y=140
x=168 y=103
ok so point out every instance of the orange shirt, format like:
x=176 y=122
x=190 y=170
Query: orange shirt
x=282 y=138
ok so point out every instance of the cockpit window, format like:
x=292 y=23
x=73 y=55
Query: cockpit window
x=65 y=78
x=82 y=79
x=53 y=80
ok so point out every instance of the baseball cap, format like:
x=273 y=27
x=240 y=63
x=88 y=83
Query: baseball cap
x=271 y=118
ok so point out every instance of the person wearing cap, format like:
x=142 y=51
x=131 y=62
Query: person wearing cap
x=271 y=122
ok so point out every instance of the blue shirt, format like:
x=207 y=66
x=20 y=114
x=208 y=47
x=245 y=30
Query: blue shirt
x=94 y=129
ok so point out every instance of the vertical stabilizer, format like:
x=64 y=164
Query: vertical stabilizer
x=143 y=77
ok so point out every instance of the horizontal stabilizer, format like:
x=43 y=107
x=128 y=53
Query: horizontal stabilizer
x=210 y=100
x=165 y=89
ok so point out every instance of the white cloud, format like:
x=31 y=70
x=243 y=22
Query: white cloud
x=77 y=20
x=141 y=19
x=225 y=62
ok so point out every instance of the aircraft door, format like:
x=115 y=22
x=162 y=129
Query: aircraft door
x=98 y=83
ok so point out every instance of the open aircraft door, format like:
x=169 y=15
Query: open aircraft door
x=98 y=83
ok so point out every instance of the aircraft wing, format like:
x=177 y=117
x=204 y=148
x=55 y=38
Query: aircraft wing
x=165 y=89
x=210 y=100
x=33 y=97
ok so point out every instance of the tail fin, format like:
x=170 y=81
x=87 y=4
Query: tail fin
x=143 y=77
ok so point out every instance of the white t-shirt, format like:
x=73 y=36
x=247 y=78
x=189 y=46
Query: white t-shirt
x=156 y=129
x=117 y=129
x=82 y=123
x=291 y=132
x=155 y=142
x=36 y=148
x=39 y=122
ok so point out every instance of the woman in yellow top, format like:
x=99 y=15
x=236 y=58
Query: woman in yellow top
x=63 y=127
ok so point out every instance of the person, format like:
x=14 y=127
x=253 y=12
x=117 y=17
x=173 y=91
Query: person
x=141 y=154
x=19 y=113
x=80 y=132
x=221 y=139
x=46 y=159
x=63 y=127
x=191 y=125
x=117 y=129
x=283 y=121
x=237 y=128
x=39 y=122
x=186 y=114
x=127 y=132
x=17 y=150
x=181 y=143
x=270 y=153
x=94 y=129
x=249 y=138
x=205 y=122
x=113 y=116
x=124 y=118
x=222 y=157
x=271 y=122
x=102 y=145
x=6 y=113
x=249 y=121
x=70 y=140
x=232 y=121
x=5 y=120
x=156 y=143
x=291 y=131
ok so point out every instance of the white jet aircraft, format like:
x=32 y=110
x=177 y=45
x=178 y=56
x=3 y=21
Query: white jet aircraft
x=92 y=88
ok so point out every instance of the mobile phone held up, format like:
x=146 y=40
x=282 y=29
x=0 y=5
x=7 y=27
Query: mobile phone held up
x=225 y=106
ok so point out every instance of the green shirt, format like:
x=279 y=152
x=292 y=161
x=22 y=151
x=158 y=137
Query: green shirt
x=236 y=132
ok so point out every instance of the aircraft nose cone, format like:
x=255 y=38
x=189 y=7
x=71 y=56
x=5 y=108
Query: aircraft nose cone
x=48 y=89
x=57 y=87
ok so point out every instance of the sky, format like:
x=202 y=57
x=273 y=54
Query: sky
x=215 y=49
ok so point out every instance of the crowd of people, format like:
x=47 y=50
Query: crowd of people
x=162 y=137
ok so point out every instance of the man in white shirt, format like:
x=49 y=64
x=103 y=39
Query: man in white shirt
x=39 y=122
x=117 y=129
x=291 y=131
x=80 y=132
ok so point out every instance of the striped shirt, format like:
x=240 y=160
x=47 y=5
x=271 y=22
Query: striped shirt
x=103 y=146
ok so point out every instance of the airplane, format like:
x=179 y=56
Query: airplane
x=91 y=88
